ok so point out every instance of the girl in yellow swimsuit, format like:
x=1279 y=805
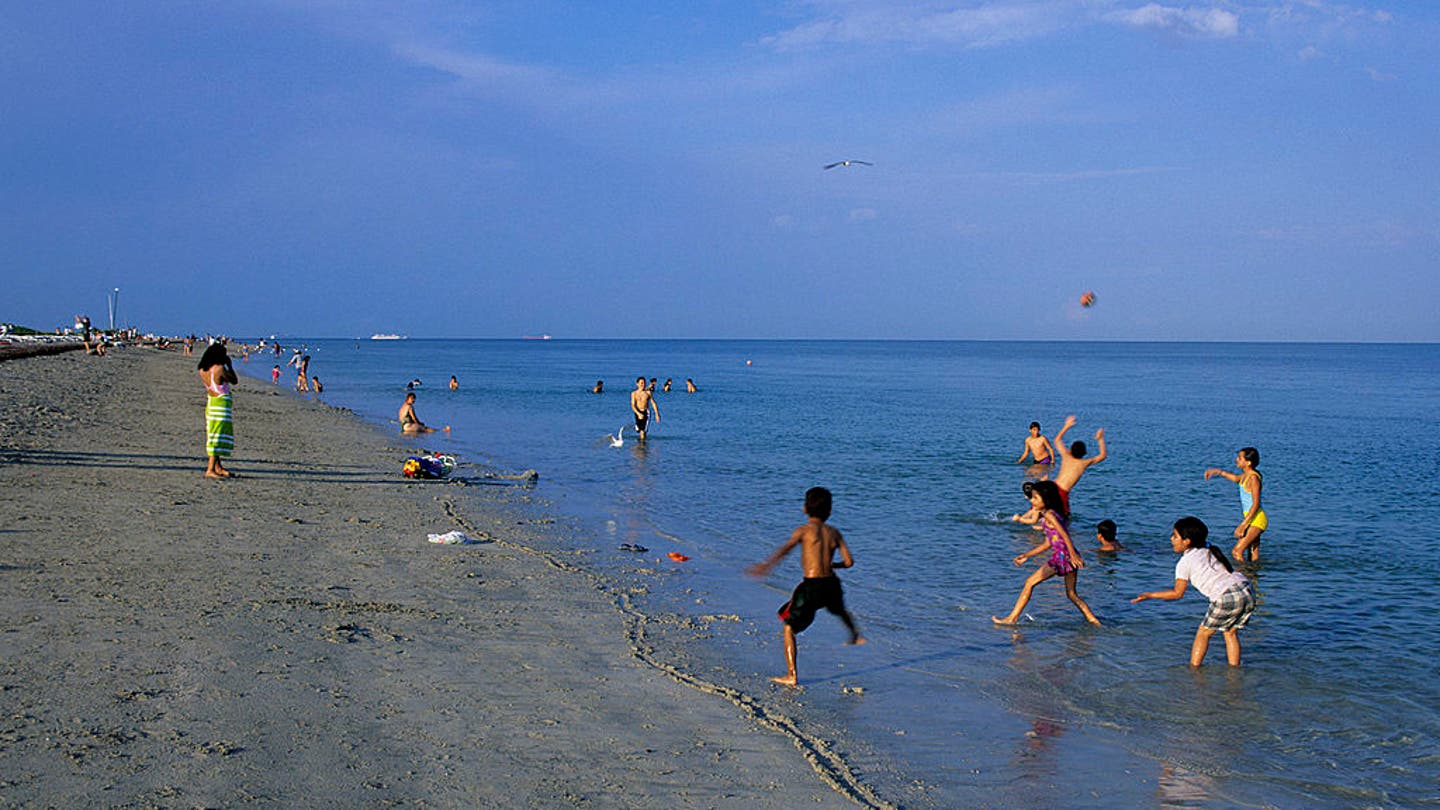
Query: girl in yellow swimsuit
x=1254 y=522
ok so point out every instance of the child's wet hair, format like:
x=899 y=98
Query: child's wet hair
x=1035 y=425
x=1106 y=529
x=1049 y=493
x=1194 y=530
x=818 y=502
x=1077 y=449
x=1251 y=455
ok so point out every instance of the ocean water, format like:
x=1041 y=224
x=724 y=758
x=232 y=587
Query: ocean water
x=1337 y=704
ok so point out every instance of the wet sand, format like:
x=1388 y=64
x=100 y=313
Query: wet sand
x=290 y=637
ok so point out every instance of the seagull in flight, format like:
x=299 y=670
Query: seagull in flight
x=850 y=163
x=618 y=440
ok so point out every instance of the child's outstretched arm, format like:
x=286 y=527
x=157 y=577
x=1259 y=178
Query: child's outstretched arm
x=1023 y=556
x=1174 y=593
x=1060 y=437
x=1103 y=454
x=1229 y=476
x=760 y=569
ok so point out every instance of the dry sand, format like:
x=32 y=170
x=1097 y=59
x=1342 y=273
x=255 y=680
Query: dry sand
x=289 y=637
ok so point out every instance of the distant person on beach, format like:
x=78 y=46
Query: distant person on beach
x=409 y=422
x=1063 y=560
x=642 y=402
x=315 y=383
x=301 y=379
x=275 y=375
x=1037 y=446
x=217 y=373
x=454 y=383
x=820 y=588
x=1253 y=521
x=1105 y=533
x=599 y=387
x=1232 y=597
x=690 y=386
x=1073 y=463
x=666 y=386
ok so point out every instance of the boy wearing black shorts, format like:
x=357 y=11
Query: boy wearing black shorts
x=820 y=589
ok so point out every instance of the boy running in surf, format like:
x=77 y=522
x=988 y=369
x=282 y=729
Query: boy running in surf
x=821 y=588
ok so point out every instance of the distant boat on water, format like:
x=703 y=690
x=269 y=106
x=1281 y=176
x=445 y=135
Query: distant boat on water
x=534 y=337
x=387 y=336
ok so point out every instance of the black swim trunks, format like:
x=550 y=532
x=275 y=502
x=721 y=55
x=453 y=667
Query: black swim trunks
x=641 y=421
x=810 y=596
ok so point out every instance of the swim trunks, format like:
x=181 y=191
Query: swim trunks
x=1064 y=497
x=812 y=594
x=1231 y=609
x=1045 y=460
x=641 y=421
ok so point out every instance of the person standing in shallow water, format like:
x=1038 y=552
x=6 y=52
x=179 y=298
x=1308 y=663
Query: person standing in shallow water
x=217 y=374
x=642 y=402
x=1253 y=520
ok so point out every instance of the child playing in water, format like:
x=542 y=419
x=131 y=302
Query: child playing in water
x=1105 y=533
x=821 y=588
x=275 y=375
x=1253 y=521
x=1232 y=599
x=1063 y=559
x=1037 y=446
x=1073 y=463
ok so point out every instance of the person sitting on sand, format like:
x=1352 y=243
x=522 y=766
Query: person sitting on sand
x=1038 y=446
x=818 y=544
x=410 y=424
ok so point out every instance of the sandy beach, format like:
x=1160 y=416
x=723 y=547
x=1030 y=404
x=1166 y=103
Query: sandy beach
x=289 y=637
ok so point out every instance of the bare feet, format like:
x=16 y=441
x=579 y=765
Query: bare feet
x=786 y=680
x=857 y=641
x=1005 y=621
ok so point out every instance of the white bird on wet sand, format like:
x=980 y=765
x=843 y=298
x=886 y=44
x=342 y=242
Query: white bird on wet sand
x=849 y=163
x=618 y=440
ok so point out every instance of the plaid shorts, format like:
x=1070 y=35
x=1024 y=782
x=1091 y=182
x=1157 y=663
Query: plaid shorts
x=1232 y=609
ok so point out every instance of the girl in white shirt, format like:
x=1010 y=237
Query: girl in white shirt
x=1232 y=599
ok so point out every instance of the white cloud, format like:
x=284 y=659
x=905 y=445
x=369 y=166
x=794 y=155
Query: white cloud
x=863 y=214
x=1310 y=52
x=1213 y=23
x=1377 y=76
x=986 y=24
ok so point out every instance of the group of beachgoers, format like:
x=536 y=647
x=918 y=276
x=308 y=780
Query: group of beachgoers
x=1230 y=592
x=1231 y=595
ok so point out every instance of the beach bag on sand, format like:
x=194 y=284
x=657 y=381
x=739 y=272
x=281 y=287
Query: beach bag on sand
x=433 y=465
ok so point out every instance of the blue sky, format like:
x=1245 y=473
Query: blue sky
x=1259 y=170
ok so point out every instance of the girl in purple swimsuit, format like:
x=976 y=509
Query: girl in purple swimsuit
x=1063 y=559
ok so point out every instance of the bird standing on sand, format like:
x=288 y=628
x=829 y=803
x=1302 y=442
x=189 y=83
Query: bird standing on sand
x=850 y=163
